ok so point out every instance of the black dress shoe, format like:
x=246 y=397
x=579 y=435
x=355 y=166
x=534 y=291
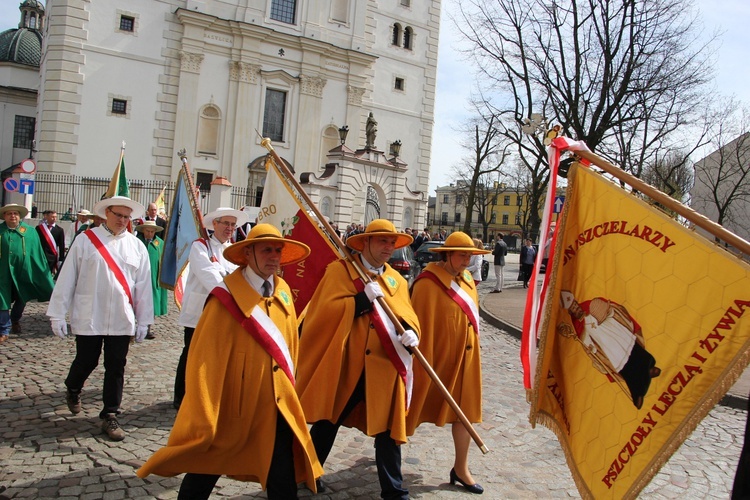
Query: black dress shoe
x=471 y=488
x=150 y=336
x=320 y=485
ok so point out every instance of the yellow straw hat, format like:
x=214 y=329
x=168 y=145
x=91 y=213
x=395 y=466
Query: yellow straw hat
x=378 y=227
x=293 y=251
x=459 y=242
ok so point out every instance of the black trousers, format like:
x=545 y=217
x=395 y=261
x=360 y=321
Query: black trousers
x=281 y=483
x=179 y=378
x=387 y=452
x=88 y=350
x=637 y=371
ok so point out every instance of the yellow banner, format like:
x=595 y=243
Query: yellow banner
x=647 y=325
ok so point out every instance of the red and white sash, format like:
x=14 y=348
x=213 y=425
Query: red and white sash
x=261 y=328
x=50 y=240
x=399 y=356
x=460 y=297
x=119 y=275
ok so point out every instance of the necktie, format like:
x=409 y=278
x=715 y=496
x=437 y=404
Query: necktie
x=266 y=289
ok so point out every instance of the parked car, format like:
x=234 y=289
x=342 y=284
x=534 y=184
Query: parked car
x=424 y=256
x=403 y=261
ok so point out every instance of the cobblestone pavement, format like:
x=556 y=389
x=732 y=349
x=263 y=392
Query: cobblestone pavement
x=45 y=452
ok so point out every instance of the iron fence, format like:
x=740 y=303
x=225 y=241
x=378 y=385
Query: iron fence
x=67 y=194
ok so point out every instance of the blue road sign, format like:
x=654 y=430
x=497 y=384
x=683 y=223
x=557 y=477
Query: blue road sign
x=10 y=184
x=557 y=207
x=26 y=186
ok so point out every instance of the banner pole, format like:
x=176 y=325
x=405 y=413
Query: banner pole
x=266 y=143
x=191 y=186
x=688 y=213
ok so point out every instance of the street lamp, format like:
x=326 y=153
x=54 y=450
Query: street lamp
x=343 y=132
x=396 y=148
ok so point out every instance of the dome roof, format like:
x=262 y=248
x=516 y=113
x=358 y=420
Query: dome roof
x=22 y=46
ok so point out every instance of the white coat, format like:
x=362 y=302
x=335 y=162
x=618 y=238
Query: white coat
x=88 y=290
x=203 y=277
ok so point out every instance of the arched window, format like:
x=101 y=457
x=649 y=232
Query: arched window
x=396 y=37
x=209 y=123
x=408 y=37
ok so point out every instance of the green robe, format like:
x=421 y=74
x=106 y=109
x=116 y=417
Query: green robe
x=155 y=249
x=23 y=265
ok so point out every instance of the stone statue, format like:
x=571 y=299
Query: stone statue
x=371 y=131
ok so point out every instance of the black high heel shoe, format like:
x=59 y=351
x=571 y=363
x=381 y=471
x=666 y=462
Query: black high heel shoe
x=471 y=488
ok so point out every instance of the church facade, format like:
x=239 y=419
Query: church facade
x=162 y=75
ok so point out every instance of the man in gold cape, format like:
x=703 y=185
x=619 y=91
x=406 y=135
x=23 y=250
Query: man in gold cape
x=345 y=374
x=241 y=416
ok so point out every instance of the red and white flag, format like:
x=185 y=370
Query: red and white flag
x=535 y=299
x=282 y=208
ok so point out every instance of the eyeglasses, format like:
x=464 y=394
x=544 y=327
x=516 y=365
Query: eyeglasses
x=119 y=216
x=225 y=223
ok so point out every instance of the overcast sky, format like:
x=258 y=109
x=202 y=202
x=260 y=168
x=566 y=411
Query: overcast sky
x=455 y=82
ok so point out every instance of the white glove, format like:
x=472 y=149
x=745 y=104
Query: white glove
x=59 y=327
x=409 y=338
x=373 y=291
x=140 y=333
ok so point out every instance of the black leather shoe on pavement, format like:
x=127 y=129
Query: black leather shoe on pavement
x=471 y=488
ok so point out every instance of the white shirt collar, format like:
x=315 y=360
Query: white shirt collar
x=256 y=281
x=370 y=267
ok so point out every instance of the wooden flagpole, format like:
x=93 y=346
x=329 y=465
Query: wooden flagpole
x=688 y=213
x=191 y=186
x=266 y=143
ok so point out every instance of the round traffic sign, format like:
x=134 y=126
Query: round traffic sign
x=28 y=166
x=11 y=184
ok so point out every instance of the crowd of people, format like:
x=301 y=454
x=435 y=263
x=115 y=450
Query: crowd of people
x=261 y=393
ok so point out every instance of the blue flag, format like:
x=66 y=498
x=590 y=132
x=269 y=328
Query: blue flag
x=182 y=230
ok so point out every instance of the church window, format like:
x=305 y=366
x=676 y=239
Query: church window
x=408 y=37
x=396 y=35
x=283 y=10
x=23 y=132
x=119 y=107
x=274 y=115
x=127 y=23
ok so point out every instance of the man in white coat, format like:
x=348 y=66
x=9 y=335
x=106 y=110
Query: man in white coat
x=207 y=270
x=105 y=287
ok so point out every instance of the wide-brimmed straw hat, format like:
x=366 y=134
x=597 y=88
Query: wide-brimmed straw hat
x=85 y=213
x=12 y=207
x=293 y=251
x=242 y=217
x=137 y=210
x=378 y=227
x=459 y=242
x=149 y=224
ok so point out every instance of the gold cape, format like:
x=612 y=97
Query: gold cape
x=451 y=347
x=227 y=422
x=335 y=347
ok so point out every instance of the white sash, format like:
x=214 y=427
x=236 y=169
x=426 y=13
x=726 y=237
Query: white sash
x=50 y=239
x=466 y=303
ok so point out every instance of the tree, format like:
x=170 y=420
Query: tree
x=722 y=179
x=622 y=75
x=672 y=174
x=474 y=173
